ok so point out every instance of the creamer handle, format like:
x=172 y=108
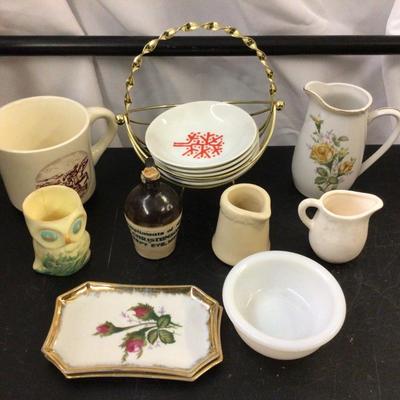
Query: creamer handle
x=302 y=210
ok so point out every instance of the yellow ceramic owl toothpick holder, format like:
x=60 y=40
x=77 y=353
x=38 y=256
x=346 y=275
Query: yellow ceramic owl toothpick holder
x=56 y=221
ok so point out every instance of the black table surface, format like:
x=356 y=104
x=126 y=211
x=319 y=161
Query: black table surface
x=361 y=362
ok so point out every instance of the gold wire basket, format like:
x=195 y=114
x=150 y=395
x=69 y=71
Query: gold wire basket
x=270 y=106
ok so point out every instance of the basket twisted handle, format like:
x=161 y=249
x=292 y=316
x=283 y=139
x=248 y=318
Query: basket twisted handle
x=169 y=34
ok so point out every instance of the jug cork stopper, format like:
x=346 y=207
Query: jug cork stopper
x=150 y=173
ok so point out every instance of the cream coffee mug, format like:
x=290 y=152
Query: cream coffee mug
x=46 y=140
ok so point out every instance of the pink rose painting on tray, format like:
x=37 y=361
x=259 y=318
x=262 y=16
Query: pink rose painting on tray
x=149 y=328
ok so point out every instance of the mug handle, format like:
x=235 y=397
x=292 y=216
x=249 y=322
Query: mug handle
x=302 y=211
x=100 y=146
x=389 y=141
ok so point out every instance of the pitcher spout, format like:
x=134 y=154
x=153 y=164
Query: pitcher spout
x=367 y=203
x=376 y=204
x=246 y=203
x=347 y=204
x=316 y=89
x=339 y=97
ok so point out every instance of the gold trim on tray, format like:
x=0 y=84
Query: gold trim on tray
x=213 y=357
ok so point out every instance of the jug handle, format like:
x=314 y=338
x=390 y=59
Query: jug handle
x=389 y=141
x=302 y=211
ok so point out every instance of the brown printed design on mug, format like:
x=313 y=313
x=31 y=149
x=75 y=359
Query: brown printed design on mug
x=71 y=170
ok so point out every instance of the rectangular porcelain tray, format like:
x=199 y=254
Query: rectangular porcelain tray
x=106 y=329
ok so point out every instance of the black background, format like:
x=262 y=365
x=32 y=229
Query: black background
x=361 y=362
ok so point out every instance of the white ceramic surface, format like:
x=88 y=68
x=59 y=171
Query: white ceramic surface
x=243 y=223
x=209 y=182
x=283 y=305
x=330 y=148
x=45 y=140
x=339 y=228
x=201 y=134
x=78 y=347
x=205 y=179
x=104 y=329
x=213 y=171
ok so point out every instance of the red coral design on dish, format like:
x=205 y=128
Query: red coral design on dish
x=200 y=145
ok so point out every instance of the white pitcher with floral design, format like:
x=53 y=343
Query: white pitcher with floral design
x=330 y=148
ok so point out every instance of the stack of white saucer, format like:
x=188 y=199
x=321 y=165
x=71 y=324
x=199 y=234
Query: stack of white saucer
x=203 y=143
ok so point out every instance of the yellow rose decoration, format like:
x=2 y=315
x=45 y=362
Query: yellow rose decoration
x=329 y=151
x=346 y=167
x=322 y=153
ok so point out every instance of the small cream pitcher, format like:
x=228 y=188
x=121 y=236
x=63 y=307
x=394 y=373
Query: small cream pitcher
x=243 y=223
x=330 y=147
x=339 y=228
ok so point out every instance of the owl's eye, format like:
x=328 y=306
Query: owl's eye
x=49 y=236
x=76 y=226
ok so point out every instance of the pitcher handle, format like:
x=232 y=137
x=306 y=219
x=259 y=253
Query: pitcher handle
x=302 y=210
x=389 y=141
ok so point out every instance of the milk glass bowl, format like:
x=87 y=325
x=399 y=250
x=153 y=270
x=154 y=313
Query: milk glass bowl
x=283 y=305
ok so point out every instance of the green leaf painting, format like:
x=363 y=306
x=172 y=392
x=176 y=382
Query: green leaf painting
x=322 y=171
x=164 y=321
x=152 y=336
x=149 y=328
x=166 y=336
